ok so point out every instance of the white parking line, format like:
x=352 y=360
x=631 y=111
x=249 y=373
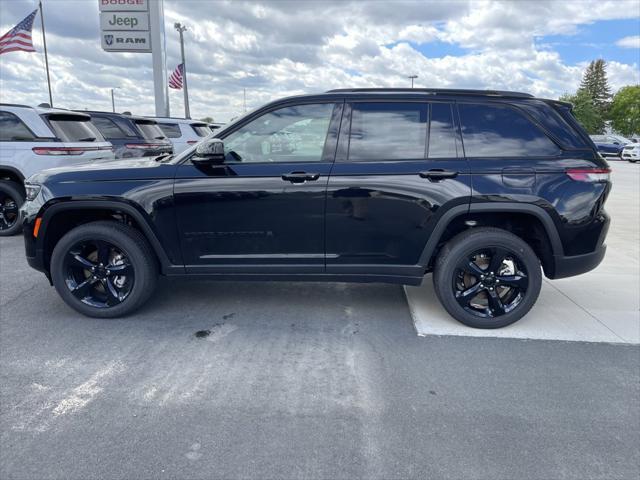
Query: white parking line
x=600 y=306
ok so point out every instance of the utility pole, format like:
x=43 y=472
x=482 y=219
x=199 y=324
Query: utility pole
x=181 y=28
x=113 y=102
x=412 y=77
x=46 y=57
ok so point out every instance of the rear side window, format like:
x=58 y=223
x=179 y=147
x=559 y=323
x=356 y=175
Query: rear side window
x=497 y=131
x=201 y=129
x=108 y=128
x=13 y=130
x=71 y=128
x=150 y=131
x=388 y=131
x=442 y=136
x=171 y=130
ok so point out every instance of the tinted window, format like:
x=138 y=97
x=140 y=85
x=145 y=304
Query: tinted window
x=150 y=131
x=442 y=137
x=388 y=131
x=171 y=130
x=201 y=129
x=291 y=134
x=494 y=131
x=69 y=128
x=107 y=128
x=13 y=130
x=599 y=138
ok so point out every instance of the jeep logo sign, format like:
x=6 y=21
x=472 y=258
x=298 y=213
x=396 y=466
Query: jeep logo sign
x=133 y=21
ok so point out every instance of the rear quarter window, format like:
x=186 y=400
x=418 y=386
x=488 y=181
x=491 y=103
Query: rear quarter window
x=12 y=129
x=502 y=131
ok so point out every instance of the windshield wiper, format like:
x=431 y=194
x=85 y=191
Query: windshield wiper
x=164 y=157
x=87 y=139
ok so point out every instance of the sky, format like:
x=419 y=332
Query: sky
x=279 y=48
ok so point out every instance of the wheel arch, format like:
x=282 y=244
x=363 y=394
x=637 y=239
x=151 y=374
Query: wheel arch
x=102 y=209
x=453 y=221
x=12 y=174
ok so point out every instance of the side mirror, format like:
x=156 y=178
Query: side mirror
x=616 y=143
x=209 y=152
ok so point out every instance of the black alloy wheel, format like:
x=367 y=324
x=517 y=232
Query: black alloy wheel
x=11 y=199
x=98 y=273
x=490 y=282
x=487 y=277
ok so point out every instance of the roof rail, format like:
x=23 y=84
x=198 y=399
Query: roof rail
x=14 y=105
x=436 y=91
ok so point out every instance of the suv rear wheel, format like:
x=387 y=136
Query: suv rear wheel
x=104 y=269
x=487 y=278
x=11 y=199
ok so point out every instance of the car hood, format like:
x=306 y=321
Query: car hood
x=123 y=169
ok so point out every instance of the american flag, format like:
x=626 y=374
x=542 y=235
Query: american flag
x=19 y=37
x=175 y=81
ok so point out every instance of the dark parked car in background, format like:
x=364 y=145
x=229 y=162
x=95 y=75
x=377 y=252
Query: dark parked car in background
x=131 y=136
x=486 y=189
x=608 y=146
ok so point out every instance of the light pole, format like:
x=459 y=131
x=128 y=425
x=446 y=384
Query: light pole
x=113 y=101
x=181 y=28
x=412 y=77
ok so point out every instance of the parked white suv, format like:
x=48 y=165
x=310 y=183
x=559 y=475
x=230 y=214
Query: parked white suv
x=34 y=139
x=631 y=152
x=183 y=132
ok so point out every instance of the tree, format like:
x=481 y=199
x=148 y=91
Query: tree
x=625 y=110
x=207 y=119
x=586 y=111
x=594 y=82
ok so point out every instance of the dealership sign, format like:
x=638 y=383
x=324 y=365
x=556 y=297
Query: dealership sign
x=124 y=25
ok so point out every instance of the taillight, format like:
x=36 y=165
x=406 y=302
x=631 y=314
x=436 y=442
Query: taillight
x=192 y=142
x=146 y=145
x=66 y=150
x=593 y=175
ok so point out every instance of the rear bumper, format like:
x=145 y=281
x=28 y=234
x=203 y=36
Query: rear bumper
x=578 y=264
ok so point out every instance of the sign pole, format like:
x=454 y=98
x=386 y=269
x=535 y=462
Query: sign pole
x=46 y=57
x=181 y=28
x=159 y=57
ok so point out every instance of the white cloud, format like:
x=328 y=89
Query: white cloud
x=278 y=48
x=629 y=42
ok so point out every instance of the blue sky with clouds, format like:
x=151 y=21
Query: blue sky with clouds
x=278 y=48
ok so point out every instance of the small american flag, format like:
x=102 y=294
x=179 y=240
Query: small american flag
x=19 y=37
x=175 y=81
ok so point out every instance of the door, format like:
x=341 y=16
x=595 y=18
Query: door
x=262 y=210
x=399 y=165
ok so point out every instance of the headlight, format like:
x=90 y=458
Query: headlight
x=32 y=191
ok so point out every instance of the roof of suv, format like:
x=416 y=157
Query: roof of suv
x=436 y=91
x=43 y=110
x=135 y=118
x=177 y=120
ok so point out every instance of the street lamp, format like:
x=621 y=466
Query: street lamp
x=412 y=77
x=181 y=29
x=113 y=102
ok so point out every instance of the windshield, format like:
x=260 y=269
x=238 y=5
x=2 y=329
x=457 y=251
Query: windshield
x=70 y=128
x=150 y=131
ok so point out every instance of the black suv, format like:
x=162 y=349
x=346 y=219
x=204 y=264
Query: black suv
x=483 y=188
x=131 y=136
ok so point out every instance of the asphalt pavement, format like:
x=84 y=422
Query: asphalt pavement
x=283 y=380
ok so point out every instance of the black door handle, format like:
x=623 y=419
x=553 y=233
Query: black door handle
x=300 y=177
x=436 y=174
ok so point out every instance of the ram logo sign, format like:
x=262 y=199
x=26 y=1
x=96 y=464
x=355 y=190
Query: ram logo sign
x=126 y=42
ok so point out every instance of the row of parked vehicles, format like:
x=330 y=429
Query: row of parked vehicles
x=36 y=138
x=612 y=145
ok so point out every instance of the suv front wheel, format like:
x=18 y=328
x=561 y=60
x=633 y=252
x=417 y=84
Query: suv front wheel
x=104 y=269
x=487 y=278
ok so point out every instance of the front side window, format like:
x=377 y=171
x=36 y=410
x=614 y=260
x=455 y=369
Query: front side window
x=290 y=134
x=388 y=131
x=13 y=130
x=70 y=128
x=497 y=131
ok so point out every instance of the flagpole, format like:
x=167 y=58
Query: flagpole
x=46 y=58
x=180 y=29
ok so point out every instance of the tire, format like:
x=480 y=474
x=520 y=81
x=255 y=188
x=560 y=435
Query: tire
x=109 y=248
x=11 y=199
x=493 y=297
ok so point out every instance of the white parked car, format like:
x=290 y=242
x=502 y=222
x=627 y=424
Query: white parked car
x=183 y=132
x=34 y=139
x=631 y=152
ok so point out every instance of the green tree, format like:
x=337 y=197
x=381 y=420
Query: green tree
x=207 y=119
x=625 y=110
x=585 y=111
x=595 y=83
